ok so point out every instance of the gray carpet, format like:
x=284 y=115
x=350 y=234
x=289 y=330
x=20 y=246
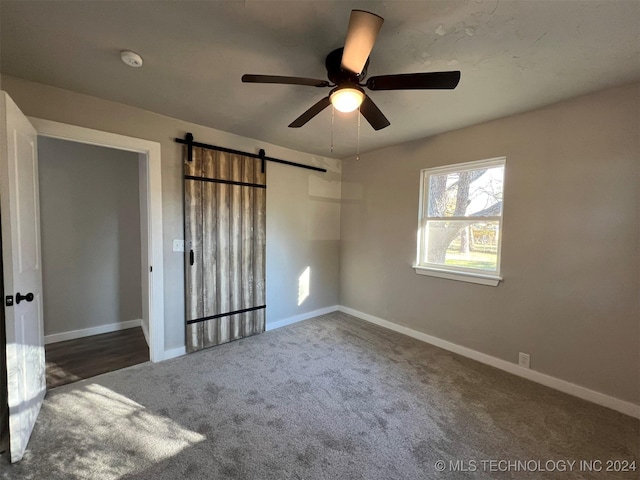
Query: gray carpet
x=328 y=398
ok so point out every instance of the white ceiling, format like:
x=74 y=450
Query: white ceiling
x=513 y=55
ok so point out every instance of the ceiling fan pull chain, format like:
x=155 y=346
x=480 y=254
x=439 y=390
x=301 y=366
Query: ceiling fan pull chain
x=332 y=114
x=358 y=146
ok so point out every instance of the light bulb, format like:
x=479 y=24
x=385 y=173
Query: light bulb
x=347 y=99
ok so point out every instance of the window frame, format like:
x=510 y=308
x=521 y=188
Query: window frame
x=465 y=274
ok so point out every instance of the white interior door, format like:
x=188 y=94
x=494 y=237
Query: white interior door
x=22 y=272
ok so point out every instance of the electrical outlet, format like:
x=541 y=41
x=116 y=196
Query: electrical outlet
x=524 y=360
x=178 y=245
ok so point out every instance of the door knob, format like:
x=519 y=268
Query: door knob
x=28 y=297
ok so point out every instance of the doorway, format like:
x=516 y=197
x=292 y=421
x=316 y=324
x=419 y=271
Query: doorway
x=22 y=268
x=91 y=260
x=147 y=155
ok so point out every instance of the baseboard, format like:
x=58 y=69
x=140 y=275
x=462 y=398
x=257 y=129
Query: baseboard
x=145 y=331
x=175 y=352
x=87 y=332
x=301 y=317
x=584 y=393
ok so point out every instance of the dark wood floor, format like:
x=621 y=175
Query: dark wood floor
x=87 y=357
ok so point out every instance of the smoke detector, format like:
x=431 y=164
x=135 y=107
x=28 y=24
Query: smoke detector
x=131 y=58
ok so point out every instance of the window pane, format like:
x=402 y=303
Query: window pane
x=467 y=193
x=462 y=244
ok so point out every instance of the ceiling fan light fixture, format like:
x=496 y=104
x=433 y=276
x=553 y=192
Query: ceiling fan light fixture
x=347 y=99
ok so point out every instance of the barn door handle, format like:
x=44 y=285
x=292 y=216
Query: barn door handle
x=191 y=259
x=28 y=297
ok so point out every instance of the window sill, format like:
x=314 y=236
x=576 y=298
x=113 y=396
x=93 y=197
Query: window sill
x=479 y=278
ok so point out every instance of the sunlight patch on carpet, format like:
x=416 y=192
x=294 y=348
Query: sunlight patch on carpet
x=115 y=428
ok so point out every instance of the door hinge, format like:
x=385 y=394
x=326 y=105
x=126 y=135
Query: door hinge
x=151 y=268
x=9 y=301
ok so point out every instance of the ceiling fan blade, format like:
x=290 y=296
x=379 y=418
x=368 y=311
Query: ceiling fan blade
x=415 y=81
x=312 y=112
x=311 y=82
x=372 y=113
x=361 y=35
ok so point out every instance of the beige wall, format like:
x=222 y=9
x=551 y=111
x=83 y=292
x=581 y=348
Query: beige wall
x=292 y=199
x=303 y=231
x=90 y=229
x=569 y=251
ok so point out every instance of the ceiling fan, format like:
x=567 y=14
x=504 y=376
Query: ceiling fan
x=347 y=69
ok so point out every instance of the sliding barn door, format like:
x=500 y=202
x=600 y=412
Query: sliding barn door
x=225 y=213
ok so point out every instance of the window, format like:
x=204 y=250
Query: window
x=460 y=222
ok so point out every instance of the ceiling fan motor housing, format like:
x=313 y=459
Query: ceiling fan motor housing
x=337 y=75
